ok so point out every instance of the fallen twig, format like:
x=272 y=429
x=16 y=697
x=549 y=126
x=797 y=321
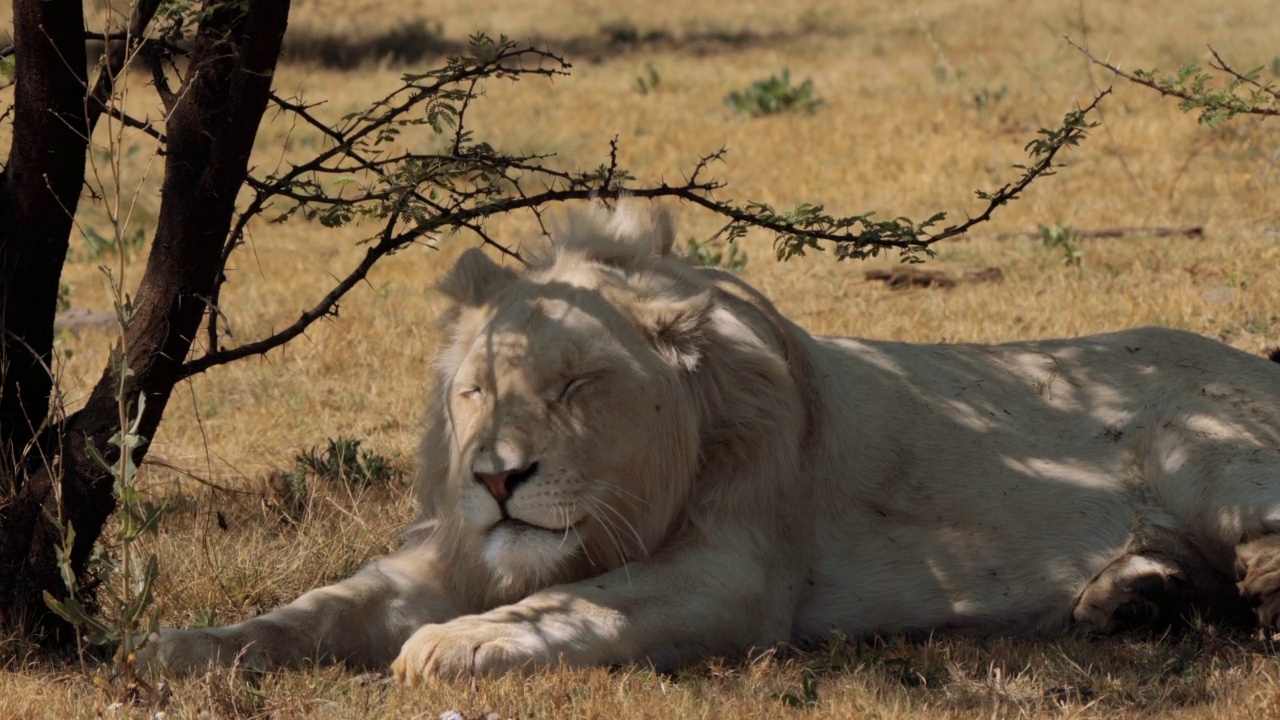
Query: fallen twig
x=906 y=276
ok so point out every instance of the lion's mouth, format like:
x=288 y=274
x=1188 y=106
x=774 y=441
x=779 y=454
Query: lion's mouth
x=518 y=525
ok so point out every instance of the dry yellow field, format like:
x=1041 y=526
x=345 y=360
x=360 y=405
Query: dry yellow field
x=924 y=102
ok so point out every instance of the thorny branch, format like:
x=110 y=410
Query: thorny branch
x=1250 y=78
x=389 y=242
x=112 y=37
x=1194 y=88
x=860 y=237
x=123 y=45
x=361 y=173
x=420 y=196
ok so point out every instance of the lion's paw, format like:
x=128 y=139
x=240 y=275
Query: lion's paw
x=183 y=652
x=1136 y=592
x=1258 y=576
x=471 y=646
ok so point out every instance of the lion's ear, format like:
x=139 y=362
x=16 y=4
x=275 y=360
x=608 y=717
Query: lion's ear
x=677 y=328
x=475 y=278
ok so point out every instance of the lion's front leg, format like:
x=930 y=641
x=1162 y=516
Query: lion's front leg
x=668 y=612
x=362 y=620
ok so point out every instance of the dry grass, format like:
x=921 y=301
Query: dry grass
x=925 y=101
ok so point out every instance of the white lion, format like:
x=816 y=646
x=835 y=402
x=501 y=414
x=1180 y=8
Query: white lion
x=632 y=459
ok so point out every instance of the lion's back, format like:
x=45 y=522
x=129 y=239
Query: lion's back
x=973 y=487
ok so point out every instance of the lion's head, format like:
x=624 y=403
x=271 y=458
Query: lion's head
x=578 y=401
x=557 y=387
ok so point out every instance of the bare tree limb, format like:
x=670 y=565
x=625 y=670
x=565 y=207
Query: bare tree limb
x=146 y=126
x=154 y=60
x=115 y=60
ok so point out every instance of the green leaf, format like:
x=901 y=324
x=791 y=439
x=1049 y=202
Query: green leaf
x=142 y=592
x=73 y=612
x=92 y=451
x=150 y=521
x=63 y=554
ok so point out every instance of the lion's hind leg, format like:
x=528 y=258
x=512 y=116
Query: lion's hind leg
x=1258 y=577
x=1135 y=592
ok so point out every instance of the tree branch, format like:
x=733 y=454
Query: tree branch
x=146 y=126
x=1073 y=130
x=418 y=195
x=325 y=308
x=1249 y=79
x=1214 y=105
x=860 y=237
x=116 y=59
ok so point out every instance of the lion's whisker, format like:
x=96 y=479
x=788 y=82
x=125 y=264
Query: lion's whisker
x=611 y=530
x=626 y=524
x=614 y=537
x=622 y=492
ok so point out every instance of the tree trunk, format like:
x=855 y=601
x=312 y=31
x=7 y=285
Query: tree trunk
x=39 y=191
x=210 y=136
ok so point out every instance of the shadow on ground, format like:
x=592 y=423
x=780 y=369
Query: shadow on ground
x=415 y=41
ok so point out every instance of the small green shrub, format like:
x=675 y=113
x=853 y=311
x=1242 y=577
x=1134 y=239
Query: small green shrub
x=986 y=97
x=343 y=460
x=773 y=96
x=729 y=256
x=1064 y=239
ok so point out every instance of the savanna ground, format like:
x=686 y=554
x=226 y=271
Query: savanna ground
x=924 y=102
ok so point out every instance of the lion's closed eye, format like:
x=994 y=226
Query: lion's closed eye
x=572 y=387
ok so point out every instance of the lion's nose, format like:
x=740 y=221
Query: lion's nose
x=502 y=484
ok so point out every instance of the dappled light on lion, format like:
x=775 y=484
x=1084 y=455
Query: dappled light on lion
x=628 y=458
